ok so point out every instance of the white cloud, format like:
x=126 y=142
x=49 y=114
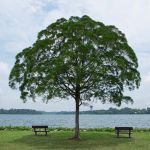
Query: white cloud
x=24 y=22
x=19 y=25
x=4 y=68
x=146 y=78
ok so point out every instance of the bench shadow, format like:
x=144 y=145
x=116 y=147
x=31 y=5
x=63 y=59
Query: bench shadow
x=61 y=141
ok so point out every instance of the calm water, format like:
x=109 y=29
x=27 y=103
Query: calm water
x=86 y=121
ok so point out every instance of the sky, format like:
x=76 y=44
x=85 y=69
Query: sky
x=21 y=20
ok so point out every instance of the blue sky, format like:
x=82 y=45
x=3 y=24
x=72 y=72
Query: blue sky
x=21 y=20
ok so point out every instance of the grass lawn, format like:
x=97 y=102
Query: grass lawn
x=26 y=140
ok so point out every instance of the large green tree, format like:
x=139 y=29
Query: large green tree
x=79 y=58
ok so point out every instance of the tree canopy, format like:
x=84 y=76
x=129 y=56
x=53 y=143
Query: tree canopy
x=78 y=57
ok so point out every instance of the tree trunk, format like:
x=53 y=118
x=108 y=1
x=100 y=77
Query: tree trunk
x=77 y=129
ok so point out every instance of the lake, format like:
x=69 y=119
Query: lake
x=86 y=121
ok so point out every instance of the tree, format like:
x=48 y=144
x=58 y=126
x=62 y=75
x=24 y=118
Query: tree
x=79 y=58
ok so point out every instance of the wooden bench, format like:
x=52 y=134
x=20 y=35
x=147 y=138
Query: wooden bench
x=124 y=130
x=40 y=128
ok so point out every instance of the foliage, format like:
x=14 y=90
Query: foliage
x=15 y=128
x=77 y=56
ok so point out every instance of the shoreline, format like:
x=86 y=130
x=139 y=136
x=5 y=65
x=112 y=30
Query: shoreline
x=27 y=128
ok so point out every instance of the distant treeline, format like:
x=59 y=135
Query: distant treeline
x=20 y=111
x=125 y=110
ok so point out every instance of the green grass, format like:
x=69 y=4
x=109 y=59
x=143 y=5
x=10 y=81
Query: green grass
x=59 y=140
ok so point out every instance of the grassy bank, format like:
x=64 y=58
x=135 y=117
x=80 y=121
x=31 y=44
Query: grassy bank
x=25 y=128
x=58 y=140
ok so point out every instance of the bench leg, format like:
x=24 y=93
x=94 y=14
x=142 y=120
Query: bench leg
x=117 y=134
x=45 y=133
x=129 y=135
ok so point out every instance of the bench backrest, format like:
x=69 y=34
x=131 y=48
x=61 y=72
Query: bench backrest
x=123 y=128
x=39 y=126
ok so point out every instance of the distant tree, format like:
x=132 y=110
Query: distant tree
x=91 y=107
x=148 y=110
x=78 y=57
